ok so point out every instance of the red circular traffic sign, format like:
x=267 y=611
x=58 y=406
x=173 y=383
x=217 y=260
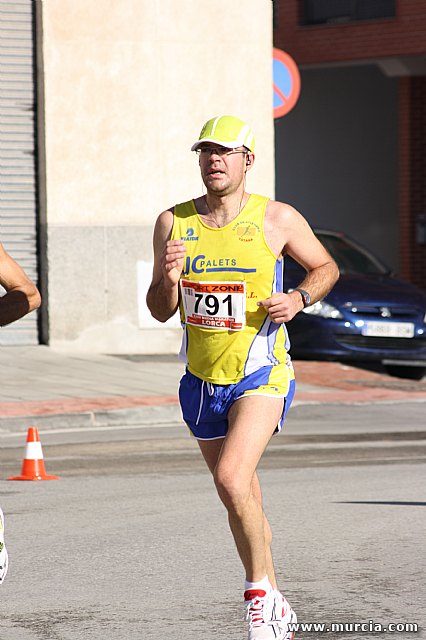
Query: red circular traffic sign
x=286 y=79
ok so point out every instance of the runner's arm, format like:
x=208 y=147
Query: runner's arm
x=163 y=294
x=304 y=247
x=22 y=296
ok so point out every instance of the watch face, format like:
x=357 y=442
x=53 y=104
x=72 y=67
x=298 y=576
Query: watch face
x=305 y=297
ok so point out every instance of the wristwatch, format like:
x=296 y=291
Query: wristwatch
x=305 y=297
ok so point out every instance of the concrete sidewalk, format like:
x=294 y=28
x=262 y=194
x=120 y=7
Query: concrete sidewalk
x=52 y=389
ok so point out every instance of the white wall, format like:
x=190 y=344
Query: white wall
x=128 y=86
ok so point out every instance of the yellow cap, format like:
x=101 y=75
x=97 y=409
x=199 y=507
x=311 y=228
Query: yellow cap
x=228 y=131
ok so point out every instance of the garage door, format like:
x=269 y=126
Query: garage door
x=17 y=152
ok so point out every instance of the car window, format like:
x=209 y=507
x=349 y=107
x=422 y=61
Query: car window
x=351 y=258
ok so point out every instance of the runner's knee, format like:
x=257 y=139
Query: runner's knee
x=232 y=489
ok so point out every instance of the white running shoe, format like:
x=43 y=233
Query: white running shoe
x=263 y=610
x=284 y=614
x=3 y=551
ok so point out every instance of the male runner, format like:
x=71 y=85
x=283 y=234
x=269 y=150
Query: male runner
x=219 y=258
x=21 y=297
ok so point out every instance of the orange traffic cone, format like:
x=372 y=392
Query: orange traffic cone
x=33 y=464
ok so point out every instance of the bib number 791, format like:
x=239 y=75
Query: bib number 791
x=214 y=305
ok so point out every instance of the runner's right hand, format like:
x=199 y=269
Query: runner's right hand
x=172 y=261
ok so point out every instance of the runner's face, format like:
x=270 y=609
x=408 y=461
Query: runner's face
x=222 y=172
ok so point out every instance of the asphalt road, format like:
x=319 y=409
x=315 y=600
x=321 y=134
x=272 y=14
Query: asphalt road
x=133 y=543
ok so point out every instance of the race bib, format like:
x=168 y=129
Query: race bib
x=214 y=305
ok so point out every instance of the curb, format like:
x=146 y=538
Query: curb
x=170 y=413
x=148 y=415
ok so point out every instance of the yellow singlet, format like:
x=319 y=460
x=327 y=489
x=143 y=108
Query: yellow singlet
x=226 y=272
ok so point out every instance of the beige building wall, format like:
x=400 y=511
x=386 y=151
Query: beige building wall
x=127 y=87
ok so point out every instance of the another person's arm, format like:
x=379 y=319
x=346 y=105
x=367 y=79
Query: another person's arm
x=163 y=294
x=22 y=296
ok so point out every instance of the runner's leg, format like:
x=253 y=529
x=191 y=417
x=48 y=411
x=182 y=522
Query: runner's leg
x=233 y=462
x=211 y=450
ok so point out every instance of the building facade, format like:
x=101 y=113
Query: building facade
x=100 y=102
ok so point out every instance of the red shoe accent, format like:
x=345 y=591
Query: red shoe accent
x=251 y=594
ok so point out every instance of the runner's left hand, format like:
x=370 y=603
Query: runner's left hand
x=282 y=307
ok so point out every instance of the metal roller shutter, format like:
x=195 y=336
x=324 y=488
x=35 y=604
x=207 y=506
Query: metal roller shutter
x=17 y=152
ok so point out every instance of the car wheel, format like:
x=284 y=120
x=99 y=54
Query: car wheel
x=401 y=371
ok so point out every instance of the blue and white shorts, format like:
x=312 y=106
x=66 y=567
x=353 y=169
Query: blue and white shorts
x=205 y=406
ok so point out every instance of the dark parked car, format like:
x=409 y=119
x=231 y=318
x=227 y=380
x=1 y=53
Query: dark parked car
x=370 y=315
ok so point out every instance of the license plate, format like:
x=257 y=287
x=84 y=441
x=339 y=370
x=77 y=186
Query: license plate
x=388 y=329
